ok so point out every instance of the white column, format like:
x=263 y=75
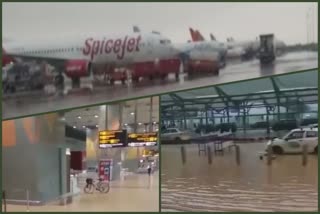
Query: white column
x=150 y=116
x=103 y=118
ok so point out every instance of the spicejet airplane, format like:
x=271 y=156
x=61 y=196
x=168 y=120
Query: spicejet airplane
x=80 y=53
x=198 y=56
x=233 y=51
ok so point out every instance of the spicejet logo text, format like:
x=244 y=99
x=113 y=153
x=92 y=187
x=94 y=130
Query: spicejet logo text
x=118 y=46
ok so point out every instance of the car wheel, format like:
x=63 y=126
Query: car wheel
x=277 y=150
x=216 y=71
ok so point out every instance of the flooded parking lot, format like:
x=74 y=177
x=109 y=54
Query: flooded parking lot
x=286 y=185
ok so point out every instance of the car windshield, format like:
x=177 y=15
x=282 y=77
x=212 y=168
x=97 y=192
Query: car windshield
x=295 y=135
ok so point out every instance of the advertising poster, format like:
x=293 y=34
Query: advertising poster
x=105 y=169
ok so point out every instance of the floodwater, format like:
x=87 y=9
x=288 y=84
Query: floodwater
x=21 y=105
x=286 y=185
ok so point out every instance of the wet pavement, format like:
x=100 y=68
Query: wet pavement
x=224 y=186
x=27 y=105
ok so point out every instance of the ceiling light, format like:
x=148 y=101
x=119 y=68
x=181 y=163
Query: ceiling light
x=74 y=127
x=139 y=124
x=84 y=127
x=79 y=117
x=97 y=126
x=126 y=124
x=63 y=119
x=96 y=116
x=132 y=113
x=154 y=122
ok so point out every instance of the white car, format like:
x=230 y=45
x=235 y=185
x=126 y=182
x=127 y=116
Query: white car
x=294 y=140
x=313 y=125
x=175 y=134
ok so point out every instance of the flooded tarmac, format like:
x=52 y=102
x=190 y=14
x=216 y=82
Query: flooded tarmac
x=224 y=186
x=27 y=105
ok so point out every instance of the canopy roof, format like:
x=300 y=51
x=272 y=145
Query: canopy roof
x=301 y=87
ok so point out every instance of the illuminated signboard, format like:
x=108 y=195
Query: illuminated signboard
x=143 y=139
x=108 y=139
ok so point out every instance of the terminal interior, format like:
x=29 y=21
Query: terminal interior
x=47 y=158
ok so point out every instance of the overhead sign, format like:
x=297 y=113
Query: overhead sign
x=143 y=139
x=108 y=139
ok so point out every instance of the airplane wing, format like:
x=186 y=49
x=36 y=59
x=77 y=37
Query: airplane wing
x=59 y=63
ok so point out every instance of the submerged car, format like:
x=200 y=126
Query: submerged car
x=175 y=134
x=293 y=141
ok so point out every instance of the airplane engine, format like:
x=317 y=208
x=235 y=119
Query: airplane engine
x=77 y=68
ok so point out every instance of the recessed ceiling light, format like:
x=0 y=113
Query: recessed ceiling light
x=132 y=113
x=96 y=116
x=84 y=127
x=154 y=122
x=126 y=124
x=79 y=117
x=74 y=127
x=139 y=124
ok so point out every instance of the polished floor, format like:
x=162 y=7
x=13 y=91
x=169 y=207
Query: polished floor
x=224 y=186
x=138 y=193
x=18 y=106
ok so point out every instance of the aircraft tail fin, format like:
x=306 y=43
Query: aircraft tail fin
x=136 y=29
x=196 y=35
x=201 y=38
x=213 y=38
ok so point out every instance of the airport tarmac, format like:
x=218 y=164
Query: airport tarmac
x=224 y=186
x=27 y=105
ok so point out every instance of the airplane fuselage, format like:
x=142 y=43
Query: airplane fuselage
x=115 y=49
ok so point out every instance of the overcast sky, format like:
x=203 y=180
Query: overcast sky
x=240 y=20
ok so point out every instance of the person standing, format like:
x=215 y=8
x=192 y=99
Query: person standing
x=149 y=169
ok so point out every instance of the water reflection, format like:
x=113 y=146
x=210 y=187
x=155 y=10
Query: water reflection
x=224 y=186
